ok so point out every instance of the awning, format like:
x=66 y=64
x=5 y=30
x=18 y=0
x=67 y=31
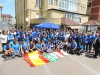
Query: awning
x=91 y=23
x=69 y=22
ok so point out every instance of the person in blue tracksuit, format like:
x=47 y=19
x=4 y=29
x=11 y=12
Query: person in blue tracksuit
x=74 y=36
x=89 y=44
x=55 y=40
x=73 y=47
x=20 y=37
x=34 y=34
x=38 y=45
x=18 y=32
x=11 y=38
x=79 y=38
x=63 y=38
x=44 y=39
x=27 y=38
x=48 y=47
x=93 y=37
x=30 y=36
x=7 y=50
x=85 y=42
x=16 y=48
x=80 y=48
x=24 y=47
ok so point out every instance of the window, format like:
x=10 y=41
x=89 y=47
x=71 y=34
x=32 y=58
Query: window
x=55 y=2
x=50 y=2
x=75 y=19
x=70 y=6
x=63 y=5
x=89 y=5
x=66 y=5
x=74 y=8
x=38 y=3
x=81 y=8
x=37 y=15
x=60 y=4
x=79 y=20
x=67 y=16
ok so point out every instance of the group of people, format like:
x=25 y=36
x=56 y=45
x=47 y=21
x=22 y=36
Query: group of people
x=17 y=42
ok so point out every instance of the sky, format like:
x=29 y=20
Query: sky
x=8 y=7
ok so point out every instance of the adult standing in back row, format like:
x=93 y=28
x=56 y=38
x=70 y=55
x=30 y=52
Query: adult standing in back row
x=97 y=47
x=4 y=38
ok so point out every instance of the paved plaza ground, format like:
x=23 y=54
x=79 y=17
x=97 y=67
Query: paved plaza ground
x=68 y=65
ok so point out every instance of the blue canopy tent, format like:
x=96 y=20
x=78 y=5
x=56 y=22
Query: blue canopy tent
x=47 y=25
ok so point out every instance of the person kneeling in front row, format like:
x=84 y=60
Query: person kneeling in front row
x=79 y=48
x=7 y=50
x=16 y=48
x=31 y=46
x=73 y=47
x=24 y=47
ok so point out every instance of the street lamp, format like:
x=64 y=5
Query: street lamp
x=1 y=6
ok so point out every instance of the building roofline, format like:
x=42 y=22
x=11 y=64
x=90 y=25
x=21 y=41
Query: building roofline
x=67 y=11
x=7 y=15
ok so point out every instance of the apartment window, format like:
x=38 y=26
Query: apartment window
x=38 y=3
x=75 y=19
x=63 y=5
x=50 y=2
x=74 y=8
x=89 y=5
x=37 y=15
x=70 y=6
x=55 y=2
x=67 y=16
x=60 y=4
x=66 y=5
x=81 y=8
x=79 y=20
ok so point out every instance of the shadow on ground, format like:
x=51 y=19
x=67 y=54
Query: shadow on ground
x=1 y=52
x=89 y=55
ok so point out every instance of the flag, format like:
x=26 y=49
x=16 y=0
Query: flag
x=62 y=52
x=51 y=57
x=35 y=59
x=58 y=54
